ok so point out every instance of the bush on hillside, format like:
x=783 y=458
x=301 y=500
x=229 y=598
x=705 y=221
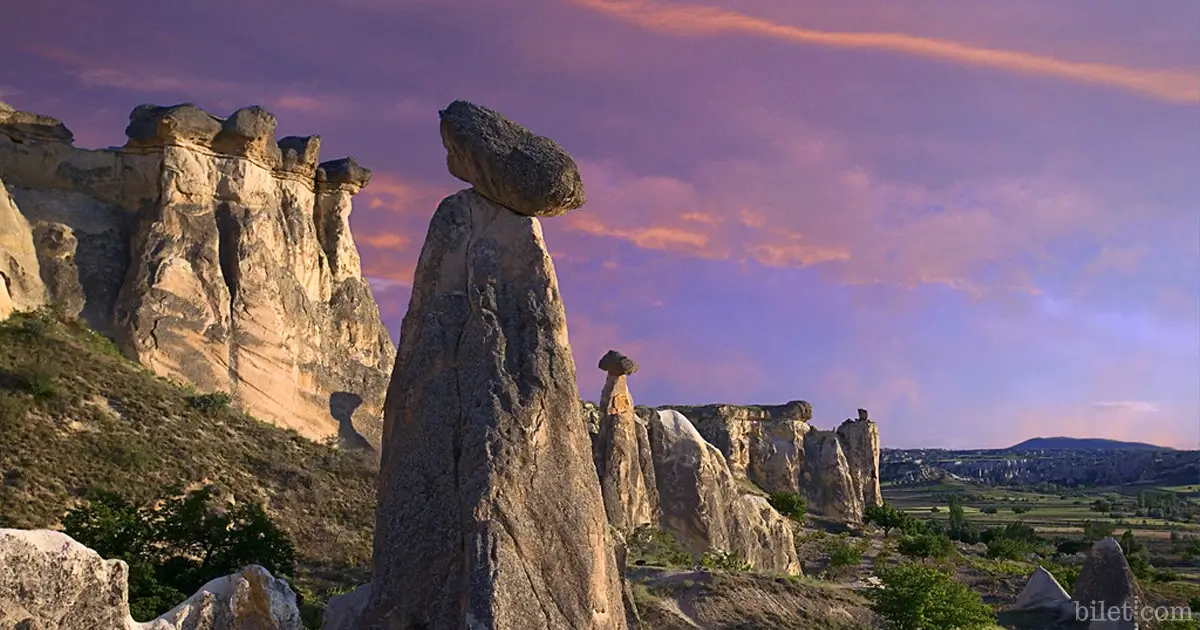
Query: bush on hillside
x=844 y=553
x=926 y=546
x=176 y=548
x=922 y=597
x=723 y=561
x=789 y=504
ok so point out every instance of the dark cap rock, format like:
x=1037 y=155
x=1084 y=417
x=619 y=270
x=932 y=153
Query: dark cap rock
x=35 y=126
x=801 y=409
x=509 y=164
x=343 y=172
x=617 y=364
x=152 y=125
x=862 y=414
x=300 y=153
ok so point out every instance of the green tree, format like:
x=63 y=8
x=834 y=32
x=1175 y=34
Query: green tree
x=1101 y=505
x=174 y=549
x=922 y=597
x=789 y=504
x=844 y=553
x=926 y=546
x=887 y=518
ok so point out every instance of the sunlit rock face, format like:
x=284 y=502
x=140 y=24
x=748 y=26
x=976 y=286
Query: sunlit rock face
x=213 y=254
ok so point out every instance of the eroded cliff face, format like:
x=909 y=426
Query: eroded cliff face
x=212 y=254
x=776 y=448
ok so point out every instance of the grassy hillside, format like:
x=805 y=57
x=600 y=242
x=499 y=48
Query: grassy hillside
x=75 y=414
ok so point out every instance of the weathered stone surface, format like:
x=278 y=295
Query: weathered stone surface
x=1106 y=580
x=860 y=444
x=624 y=460
x=828 y=482
x=1041 y=591
x=21 y=286
x=508 y=164
x=210 y=265
x=489 y=516
x=51 y=582
x=28 y=125
x=342 y=611
x=56 y=245
x=251 y=599
x=617 y=364
x=703 y=506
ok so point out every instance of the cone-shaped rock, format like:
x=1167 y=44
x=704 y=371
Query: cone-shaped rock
x=508 y=164
x=1105 y=580
x=489 y=514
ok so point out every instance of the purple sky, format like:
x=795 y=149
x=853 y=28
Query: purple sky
x=979 y=220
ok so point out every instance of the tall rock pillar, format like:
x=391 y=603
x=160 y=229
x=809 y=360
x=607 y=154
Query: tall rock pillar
x=625 y=463
x=489 y=515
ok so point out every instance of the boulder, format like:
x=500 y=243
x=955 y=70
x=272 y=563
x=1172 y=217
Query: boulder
x=703 y=506
x=56 y=245
x=624 y=461
x=21 y=286
x=51 y=582
x=251 y=599
x=508 y=164
x=342 y=611
x=1041 y=591
x=489 y=513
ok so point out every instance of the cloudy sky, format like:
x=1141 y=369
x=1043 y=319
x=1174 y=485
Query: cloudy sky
x=980 y=220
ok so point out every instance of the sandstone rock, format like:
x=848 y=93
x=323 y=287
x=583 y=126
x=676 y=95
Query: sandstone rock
x=1105 y=580
x=624 y=460
x=21 y=286
x=703 y=506
x=828 y=481
x=51 y=582
x=27 y=125
x=1041 y=591
x=56 y=245
x=251 y=599
x=617 y=364
x=860 y=444
x=489 y=516
x=215 y=263
x=508 y=164
x=764 y=444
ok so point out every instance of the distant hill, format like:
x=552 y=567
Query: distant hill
x=1081 y=444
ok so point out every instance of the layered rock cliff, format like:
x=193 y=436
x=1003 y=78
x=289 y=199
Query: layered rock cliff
x=777 y=448
x=211 y=253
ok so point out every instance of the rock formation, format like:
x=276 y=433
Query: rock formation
x=624 y=461
x=776 y=448
x=51 y=582
x=860 y=443
x=1042 y=591
x=210 y=252
x=703 y=506
x=489 y=515
x=1104 y=581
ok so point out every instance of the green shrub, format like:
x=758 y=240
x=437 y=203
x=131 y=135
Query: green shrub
x=1065 y=574
x=844 y=553
x=926 y=546
x=991 y=509
x=789 y=504
x=175 y=549
x=723 y=561
x=887 y=518
x=648 y=545
x=1008 y=548
x=922 y=597
x=210 y=404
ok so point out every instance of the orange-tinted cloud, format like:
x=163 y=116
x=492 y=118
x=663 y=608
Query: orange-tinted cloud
x=1174 y=86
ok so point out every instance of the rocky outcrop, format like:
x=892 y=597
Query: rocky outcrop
x=703 y=506
x=772 y=446
x=1042 y=591
x=489 y=515
x=51 y=582
x=860 y=444
x=212 y=254
x=624 y=460
x=21 y=286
